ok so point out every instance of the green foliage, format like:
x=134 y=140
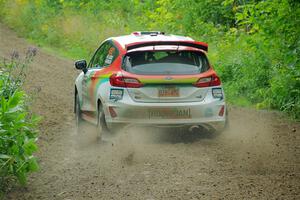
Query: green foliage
x=254 y=45
x=18 y=132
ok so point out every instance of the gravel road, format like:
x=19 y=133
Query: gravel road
x=257 y=158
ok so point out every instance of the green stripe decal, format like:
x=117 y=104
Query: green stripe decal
x=173 y=81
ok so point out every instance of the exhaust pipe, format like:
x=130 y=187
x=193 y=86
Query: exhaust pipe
x=194 y=128
x=200 y=128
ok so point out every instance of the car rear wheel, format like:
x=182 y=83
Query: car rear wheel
x=227 y=124
x=101 y=124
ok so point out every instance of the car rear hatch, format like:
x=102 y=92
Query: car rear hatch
x=166 y=89
x=166 y=71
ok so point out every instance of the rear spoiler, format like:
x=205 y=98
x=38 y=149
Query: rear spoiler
x=195 y=44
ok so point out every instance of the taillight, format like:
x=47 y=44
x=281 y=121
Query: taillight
x=123 y=81
x=212 y=80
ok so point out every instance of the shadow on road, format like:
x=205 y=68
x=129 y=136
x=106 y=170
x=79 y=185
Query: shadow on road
x=181 y=135
x=141 y=135
x=155 y=135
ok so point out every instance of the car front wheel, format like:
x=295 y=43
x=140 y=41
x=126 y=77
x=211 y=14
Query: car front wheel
x=78 y=118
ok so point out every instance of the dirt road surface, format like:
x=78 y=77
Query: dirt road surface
x=257 y=158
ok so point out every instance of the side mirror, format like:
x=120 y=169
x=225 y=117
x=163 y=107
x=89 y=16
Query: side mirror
x=81 y=65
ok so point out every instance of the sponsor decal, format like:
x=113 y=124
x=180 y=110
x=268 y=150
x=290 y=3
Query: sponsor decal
x=108 y=60
x=111 y=51
x=116 y=94
x=169 y=113
x=110 y=56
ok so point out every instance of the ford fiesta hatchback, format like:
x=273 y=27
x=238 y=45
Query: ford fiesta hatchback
x=149 y=78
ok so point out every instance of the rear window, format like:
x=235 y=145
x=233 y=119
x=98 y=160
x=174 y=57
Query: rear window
x=165 y=62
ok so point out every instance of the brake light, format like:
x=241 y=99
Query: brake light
x=124 y=81
x=212 y=80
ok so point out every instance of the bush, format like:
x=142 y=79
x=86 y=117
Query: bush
x=18 y=127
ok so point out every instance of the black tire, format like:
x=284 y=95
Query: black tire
x=78 y=118
x=102 y=129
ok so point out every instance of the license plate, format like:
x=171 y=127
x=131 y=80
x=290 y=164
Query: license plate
x=168 y=92
x=169 y=113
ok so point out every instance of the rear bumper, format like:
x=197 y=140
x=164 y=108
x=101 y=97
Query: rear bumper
x=213 y=126
x=203 y=113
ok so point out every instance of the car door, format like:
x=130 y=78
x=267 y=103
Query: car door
x=100 y=61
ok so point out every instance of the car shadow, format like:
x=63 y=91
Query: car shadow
x=142 y=135
x=167 y=135
x=174 y=136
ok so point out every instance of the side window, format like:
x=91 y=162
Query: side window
x=104 y=56
x=204 y=63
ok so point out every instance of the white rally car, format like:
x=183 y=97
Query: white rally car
x=149 y=78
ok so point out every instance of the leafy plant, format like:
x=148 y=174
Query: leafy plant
x=18 y=127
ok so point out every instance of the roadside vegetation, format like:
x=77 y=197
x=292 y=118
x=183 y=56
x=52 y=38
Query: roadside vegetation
x=18 y=127
x=254 y=45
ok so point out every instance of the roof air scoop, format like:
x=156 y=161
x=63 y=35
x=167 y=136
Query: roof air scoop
x=151 y=33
